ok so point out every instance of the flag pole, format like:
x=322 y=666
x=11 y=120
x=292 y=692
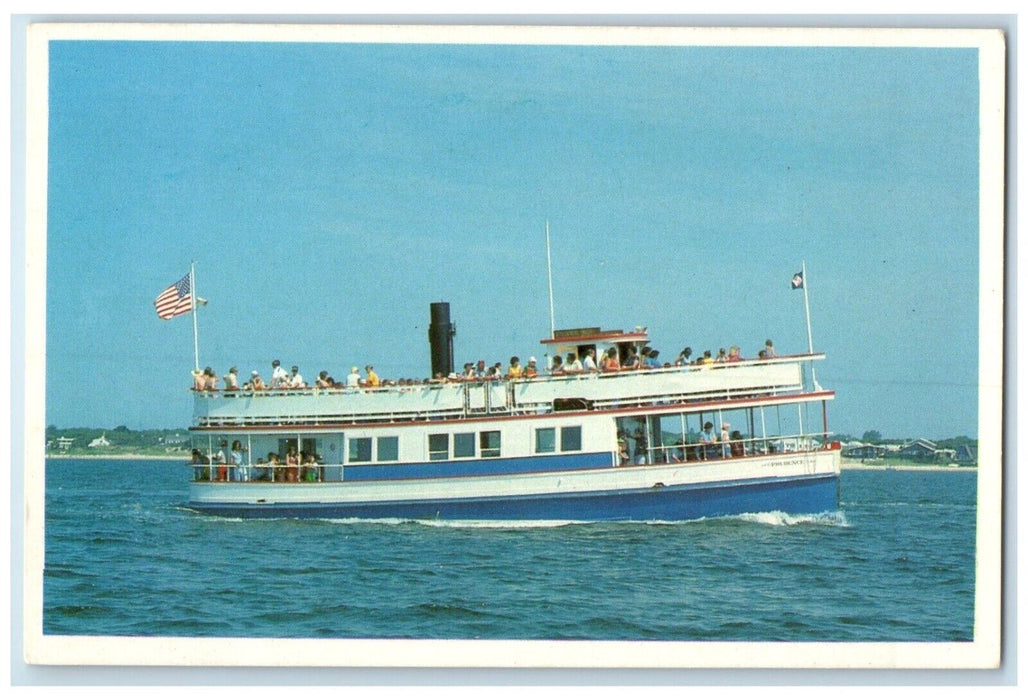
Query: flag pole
x=810 y=337
x=549 y=277
x=192 y=290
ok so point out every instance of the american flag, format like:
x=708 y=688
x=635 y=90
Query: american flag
x=175 y=300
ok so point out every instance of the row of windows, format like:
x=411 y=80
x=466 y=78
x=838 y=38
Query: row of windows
x=444 y=446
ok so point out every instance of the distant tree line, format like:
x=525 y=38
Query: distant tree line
x=874 y=437
x=121 y=439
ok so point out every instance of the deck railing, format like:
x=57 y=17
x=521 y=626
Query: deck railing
x=471 y=398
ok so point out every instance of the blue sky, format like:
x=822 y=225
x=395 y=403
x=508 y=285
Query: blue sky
x=330 y=192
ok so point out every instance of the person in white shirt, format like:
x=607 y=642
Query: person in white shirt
x=353 y=379
x=296 y=381
x=279 y=377
x=589 y=361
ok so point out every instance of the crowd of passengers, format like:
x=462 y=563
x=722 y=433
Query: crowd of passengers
x=646 y=358
x=232 y=464
x=708 y=445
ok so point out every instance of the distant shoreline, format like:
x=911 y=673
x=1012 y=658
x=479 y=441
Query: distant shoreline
x=184 y=457
x=847 y=465
x=855 y=466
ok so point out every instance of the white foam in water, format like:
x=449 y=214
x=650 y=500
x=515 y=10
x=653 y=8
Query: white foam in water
x=778 y=518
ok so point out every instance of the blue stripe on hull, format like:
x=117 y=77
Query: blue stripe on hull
x=795 y=495
x=565 y=461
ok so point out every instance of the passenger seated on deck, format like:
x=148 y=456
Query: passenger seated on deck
x=722 y=356
x=199 y=380
x=323 y=381
x=684 y=358
x=469 y=371
x=708 y=441
x=296 y=379
x=496 y=371
x=651 y=360
x=232 y=380
x=769 y=348
x=733 y=354
x=353 y=379
x=706 y=359
x=738 y=448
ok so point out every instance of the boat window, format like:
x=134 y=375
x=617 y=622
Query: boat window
x=388 y=449
x=545 y=440
x=464 y=445
x=571 y=438
x=439 y=446
x=360 y=450
x=489 y=440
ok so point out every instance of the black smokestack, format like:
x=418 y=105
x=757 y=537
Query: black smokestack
x=440 y=338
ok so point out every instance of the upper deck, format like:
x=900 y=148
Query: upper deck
x=502 y=397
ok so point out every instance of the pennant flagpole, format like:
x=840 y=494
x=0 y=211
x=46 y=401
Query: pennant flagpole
x=196 y=340
x=810 y=336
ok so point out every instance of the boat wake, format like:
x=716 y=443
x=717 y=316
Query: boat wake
x=777 y=518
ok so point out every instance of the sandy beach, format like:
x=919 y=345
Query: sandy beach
x=182 y=457
x=856 y=465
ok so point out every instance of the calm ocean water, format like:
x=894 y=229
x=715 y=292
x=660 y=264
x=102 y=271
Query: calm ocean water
x=123 y=557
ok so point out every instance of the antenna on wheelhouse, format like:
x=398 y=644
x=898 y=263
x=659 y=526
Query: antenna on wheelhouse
x=549 y=277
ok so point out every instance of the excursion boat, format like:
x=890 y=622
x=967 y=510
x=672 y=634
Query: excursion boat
x=579 y=446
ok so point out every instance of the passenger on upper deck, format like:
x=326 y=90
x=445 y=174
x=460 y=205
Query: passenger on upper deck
x=531 y=370
x=232 y=380
x=632 y=359
x=210 y=381
x=279 y=376
x=684 y=358
x=573 y=364
x=496 y=371
x=322 y=382
x=651 y=359
x=353 y=379
x=255 y=383
x=733 y=354
x=610 y=362
x=558 y=365
x=706 y=359
x=515 y=371
x=480 y=369
x=469 y=371
x=722 y=356
x=738 y=449
x=199 y=380
x=296 y=380
x=589 y=361
x=372 y=379
x=769 y=348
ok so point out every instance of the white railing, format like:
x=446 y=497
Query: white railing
x=625 y=388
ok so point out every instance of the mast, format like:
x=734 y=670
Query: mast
x=192 y=303
x=810 y=337
x=549 y=277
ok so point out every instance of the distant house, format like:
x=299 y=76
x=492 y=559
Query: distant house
x=101 y=441
x=863 y=452
x=966 y=454
x=922 y=450
x=61 y=443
